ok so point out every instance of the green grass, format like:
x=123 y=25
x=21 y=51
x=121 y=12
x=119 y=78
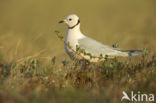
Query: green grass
x=31 y=81
x=34 y=67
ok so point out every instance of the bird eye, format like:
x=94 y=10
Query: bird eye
x=70 y=19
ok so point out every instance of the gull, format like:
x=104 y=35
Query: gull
x=89 y=48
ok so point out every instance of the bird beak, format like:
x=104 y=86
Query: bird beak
x=62 y=21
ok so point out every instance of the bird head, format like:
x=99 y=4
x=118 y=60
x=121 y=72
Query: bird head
x=71 y=21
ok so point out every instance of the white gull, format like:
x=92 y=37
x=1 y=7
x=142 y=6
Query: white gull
x=91 y=49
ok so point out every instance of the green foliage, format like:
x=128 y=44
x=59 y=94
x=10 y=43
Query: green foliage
x=115 y=45
x=53 y=60
x=33 y=82
x=145 y=52
x=64 y=62
x=59 y=35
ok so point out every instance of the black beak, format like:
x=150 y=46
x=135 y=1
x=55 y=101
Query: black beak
x=61 y=21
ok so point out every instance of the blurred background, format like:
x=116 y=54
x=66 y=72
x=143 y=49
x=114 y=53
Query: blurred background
x=28 y=40
x=27 y=26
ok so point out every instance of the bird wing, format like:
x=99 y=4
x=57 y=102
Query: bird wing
x=96 y=48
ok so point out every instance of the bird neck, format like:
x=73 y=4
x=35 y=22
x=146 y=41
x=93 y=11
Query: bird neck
x=76 y=29
x=74 y=34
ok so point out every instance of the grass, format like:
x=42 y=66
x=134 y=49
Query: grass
x=34 y=67
x=35 y=79
x=29 y=80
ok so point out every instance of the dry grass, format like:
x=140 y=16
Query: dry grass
x=34 y=67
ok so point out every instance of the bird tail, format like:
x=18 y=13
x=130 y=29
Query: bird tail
x=132 y=52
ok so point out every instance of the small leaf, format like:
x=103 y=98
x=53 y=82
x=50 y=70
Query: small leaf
x=65 y=62
x=56 y=31
x=115 y=45
x=145 y=52
x=106 y=57
x=53 y=60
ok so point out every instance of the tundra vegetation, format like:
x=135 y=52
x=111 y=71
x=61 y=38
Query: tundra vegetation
x=34 y=67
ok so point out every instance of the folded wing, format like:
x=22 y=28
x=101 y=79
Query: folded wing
x=96 y=48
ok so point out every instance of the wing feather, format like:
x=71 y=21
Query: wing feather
x=96 y=48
